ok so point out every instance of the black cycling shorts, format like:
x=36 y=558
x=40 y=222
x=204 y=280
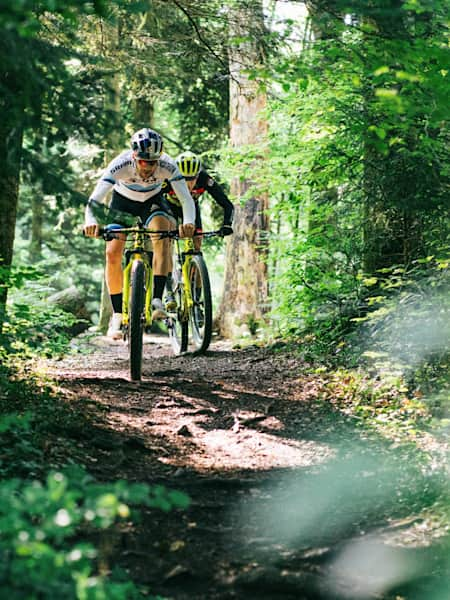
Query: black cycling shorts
x=121 y=206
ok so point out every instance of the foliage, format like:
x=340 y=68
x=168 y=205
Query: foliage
x=382 y=404
x=358 y=176
x=20 y=456
x=56 y=525
x=31 y=324
x=59 y=269
x=187 y=72
x=25 y=15
x=406 y=328
x=42 y=552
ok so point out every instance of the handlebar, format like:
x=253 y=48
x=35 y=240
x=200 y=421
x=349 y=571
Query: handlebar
x=109 y=234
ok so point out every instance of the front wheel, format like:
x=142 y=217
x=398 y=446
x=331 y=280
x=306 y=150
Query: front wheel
x=201 y=311
x=136 y=325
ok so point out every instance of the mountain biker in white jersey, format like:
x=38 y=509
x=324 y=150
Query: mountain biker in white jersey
x=135 y=178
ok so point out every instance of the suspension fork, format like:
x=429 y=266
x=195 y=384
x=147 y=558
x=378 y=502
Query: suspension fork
x=188 y=252
x=148 y=260
x=126 y=292
x=135 y=255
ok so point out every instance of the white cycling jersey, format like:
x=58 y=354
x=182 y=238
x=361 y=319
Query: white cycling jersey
x=121 y=175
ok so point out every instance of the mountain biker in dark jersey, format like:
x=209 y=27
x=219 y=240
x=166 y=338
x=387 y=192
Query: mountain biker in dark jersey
x=198 y=182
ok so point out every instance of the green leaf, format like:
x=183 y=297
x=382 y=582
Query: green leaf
x=369 y=281
x=381 y=71
x=388 y=93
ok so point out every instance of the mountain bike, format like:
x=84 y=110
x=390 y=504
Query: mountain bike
x=192 y=292
x=137 y=286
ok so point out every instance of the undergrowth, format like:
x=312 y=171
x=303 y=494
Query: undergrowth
x=55 y=517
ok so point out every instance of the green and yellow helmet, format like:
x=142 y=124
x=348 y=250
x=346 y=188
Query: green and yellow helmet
x=189 y=164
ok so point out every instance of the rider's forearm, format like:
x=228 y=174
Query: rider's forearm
x=101 y=189
x=89 y=217
x=187 y=203
x=222 y=200
x=228 y=213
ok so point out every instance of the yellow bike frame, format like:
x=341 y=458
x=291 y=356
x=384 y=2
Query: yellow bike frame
x=138 y=251
x=186 y=254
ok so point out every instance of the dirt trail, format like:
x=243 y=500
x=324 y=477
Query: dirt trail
x=250 y=437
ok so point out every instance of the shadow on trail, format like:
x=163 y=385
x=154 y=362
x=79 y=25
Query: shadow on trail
x=290 y=498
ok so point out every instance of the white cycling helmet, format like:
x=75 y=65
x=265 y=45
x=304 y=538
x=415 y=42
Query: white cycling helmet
x=147 y=144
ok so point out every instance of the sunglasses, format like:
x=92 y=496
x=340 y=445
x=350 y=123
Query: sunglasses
x=146 y=163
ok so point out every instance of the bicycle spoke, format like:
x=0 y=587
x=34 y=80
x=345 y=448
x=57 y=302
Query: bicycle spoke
x=201 y=312
x=177 y=324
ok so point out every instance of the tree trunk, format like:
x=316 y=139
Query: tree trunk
x=9 y=173
x=111 y=45
x=36 y=226
x=245 y=298
x=321 y=22
x=143 y=110
x=11 y=133
x=389 y=233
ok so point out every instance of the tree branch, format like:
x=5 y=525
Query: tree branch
x=199 y=35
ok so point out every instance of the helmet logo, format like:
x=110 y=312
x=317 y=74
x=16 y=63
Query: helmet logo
x=147 y=144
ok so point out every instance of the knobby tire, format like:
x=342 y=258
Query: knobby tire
x=136 y=326
x=201 y=312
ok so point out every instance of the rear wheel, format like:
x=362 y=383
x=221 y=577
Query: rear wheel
x=178 y=324
x=201 y=311
x=136 y=325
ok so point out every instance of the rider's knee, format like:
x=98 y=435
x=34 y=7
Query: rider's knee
x=162 y=224
x=113 y=256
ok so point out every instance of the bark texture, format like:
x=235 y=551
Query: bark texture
x=245 y=299
x=11 y=133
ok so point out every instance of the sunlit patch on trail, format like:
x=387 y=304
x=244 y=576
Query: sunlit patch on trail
x=225 y=450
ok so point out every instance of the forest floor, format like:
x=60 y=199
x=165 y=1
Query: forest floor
x=292 y=496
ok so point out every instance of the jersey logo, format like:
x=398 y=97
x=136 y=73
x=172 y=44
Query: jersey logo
x=121 y=166
x=167 y=165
